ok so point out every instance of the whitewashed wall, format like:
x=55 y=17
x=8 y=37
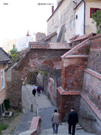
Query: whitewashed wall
x=79 y=22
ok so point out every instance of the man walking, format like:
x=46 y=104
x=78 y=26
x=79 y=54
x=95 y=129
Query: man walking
x=72 y=121
x=55 y=121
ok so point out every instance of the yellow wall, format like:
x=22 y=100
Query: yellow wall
x=89 y=23
x=2 y=91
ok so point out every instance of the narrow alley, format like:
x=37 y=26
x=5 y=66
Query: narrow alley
x=41 y=107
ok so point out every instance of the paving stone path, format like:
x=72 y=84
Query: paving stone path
x=46 y=114
x=42 y=107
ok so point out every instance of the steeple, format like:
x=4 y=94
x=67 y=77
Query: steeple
x=28 y=34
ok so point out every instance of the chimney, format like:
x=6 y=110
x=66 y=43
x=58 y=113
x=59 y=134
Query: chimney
x=52 y=9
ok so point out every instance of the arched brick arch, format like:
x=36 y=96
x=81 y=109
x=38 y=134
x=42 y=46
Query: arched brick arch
x=38 y=57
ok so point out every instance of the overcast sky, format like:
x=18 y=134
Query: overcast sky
x=21 y=15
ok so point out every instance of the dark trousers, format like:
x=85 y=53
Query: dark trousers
x=71 y=128
x=55 y=128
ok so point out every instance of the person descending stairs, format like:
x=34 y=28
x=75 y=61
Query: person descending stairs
x=44 y=108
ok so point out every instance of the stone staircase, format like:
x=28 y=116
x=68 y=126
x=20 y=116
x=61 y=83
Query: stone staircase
x=63 y=130
x=43 y=108
x=46 y=125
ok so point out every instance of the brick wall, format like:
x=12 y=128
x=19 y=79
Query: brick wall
x=94 y=61
x=90 y=106
x=88 y=119
x=72 y=72
x=92 y=88
x=66 y=101
x=35 y=60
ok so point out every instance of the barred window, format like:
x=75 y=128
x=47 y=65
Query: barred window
x=93 y=10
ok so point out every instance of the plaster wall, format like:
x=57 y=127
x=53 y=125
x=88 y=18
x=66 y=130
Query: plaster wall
x=79 y=20
x=64 y=15
x=90 y=25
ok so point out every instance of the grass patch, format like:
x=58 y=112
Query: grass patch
x=3 y=127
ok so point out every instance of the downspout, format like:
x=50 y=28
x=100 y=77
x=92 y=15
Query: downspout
x=84 y=14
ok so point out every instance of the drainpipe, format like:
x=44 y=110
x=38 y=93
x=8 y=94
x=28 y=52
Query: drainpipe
x=84 y=14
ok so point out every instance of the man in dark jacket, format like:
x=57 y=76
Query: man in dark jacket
x=72 y=121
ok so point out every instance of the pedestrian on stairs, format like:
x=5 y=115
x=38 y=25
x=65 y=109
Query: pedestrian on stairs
x=55 y=121
x=72 y=121
x=34 y=92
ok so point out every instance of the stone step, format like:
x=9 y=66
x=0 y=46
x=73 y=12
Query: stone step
x=28 y=132
x=63 y=130
x=78 y=127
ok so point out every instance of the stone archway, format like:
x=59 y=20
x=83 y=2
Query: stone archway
x=47 y=58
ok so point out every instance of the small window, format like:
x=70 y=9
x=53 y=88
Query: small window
x=93 y=10
x=2 y=79
x=76 y=17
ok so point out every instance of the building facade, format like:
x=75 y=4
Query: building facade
x=4 y=59
x=73 y=18
x=84 y=24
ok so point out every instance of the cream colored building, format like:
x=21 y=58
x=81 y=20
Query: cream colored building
x=84 y=24
x=62 y=16
x=90 y=25
x=72 y=17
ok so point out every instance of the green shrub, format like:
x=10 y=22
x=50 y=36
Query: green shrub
x=3 y=127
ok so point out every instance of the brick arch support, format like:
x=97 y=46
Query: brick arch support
x=35 y=59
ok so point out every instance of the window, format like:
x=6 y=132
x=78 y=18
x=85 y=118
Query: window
x=93 y=10
x=76 y=17
x=2 y=79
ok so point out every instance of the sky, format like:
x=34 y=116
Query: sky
x=19 y=16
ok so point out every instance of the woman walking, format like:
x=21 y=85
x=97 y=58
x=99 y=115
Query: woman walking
x=55 y=121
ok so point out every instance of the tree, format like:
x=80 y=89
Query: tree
x=14 y=54
x=97 y=18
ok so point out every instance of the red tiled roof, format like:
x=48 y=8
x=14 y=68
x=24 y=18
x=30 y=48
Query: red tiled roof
x=46 y=45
